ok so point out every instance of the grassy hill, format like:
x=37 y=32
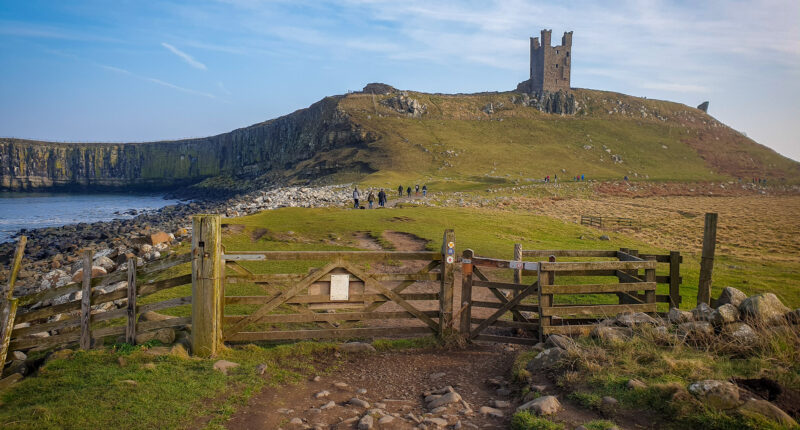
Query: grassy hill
x=457 y=141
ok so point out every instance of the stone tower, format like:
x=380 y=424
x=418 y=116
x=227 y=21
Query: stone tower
x=550 y=65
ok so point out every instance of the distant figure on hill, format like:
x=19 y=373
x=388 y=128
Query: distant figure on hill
x=424 y=190
x=381 y=198
x=370 y=198
x=555 y=179
x=626 y=178
x=356 y=195
x=583 y=178
x=400 y=190
x=408 y=191
x=416 y=190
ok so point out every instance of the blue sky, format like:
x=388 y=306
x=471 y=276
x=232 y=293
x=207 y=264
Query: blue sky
x=145 y=70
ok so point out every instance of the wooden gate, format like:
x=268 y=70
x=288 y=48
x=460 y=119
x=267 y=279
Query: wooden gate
x=351 y=294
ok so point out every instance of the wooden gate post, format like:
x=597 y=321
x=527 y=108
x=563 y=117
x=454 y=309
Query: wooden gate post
x=8 y=304
x=207 y=293
x=466 y=293
x=545 y=300
x=517 y=271
x=674 y=279
x=707 y=260
x=130 y=328
x=448 y=279
x=86 y=300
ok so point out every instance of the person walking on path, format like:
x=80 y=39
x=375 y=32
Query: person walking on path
x=370 y=198
x=408 y=191
x=400 y=190
x=355 y=198
x=424 y=190
x=416 y=190
x=381 y=198
x=583 y=178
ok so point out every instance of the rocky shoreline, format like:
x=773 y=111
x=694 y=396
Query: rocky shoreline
x=52 y=254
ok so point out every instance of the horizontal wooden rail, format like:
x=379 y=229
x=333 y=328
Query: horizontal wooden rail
x=500 y=285
x=597 y=265
x=233 y=278
x=507 y=339
x=570 y=330
x=329 y=255
x=606 y=310
x=498 y=305
x=569 y=253
x=324 y=298
x=119 y=276
x=338 y=333
x=533 y=325
x=503 y=264
x=326 y=317
x=597 y=288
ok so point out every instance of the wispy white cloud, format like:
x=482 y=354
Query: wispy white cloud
x=223 y=89
x=184 y=56
x=155 y=81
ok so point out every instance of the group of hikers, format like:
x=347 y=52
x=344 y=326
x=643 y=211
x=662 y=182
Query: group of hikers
x=382 y=197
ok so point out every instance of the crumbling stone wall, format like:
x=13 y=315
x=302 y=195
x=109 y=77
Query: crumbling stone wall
x=550 y=65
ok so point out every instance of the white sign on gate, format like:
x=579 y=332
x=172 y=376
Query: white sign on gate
x=340 y=287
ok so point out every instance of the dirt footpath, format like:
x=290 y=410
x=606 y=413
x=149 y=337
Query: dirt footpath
x=393 y=386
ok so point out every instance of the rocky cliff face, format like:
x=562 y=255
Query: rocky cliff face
x=250 y=151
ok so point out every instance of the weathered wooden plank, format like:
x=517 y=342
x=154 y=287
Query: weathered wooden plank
x=597 y=265
x=674 y=279
x=606 y=310
x=405 y=284
x=207 y=268
x=38 y=328
x=496 y=305
x=166 y=304
x=656 y=257
x=500 y=285
x=569 y=253
x=327 y=317
x=707 y=259
x=289 y=277
x=624 y=256
x=507 y=339
x=26 y=343
x=625 y=277
x=339 y=333
x=164 y=284
x=330 y=255
x=86 y=301
x=8 y=304
x=467 y=280
x=500 y=296
x=533 y=288
x=447 y=280
x=597 y=288
x=503 y=264
x=354 y=298
x=130 y=311
x=511 y=324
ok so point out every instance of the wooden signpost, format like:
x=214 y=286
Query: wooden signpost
x=707 y=259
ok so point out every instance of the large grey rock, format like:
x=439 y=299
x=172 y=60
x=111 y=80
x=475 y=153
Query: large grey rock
x=366 y=422
x=446 y=399
x=559 y=341
x=719 y=395
x=225 y=366
x=740 y=333
x=490 y=412
x=724 y=314
x=611 y=334
x=696 y=329
x=731 y=296
x=793 y=316
x=768 y=410
x=105 y=262
x=163 y=335
x=677 y=316
x=546 y=405
x=765 y=308
x=547 y=359
x=702 y=312
x=633 y=319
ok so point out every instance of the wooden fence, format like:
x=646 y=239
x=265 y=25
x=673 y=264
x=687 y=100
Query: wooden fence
x=40 y=326
x=341 y=299
x=601 y=221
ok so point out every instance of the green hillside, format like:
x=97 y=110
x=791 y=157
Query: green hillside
x=457 y=141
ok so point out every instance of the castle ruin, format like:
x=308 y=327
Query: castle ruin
x=550 y=65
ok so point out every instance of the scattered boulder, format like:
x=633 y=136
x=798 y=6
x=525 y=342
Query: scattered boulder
x=635 y=384
x=763 y=308
x=767 y=409
x=741 y=333
x=261 y=369
x=55 y=278
x=546 y=405
x=559 y=341
x=490 y=412
x=153 y=316
x=677 y=316
x=719 y=395
x=356 y=347
x=106 y=263
x=633 y=319
x=793 y=316
x=696 y=329
x=163 y=335
x=611 y=334
x=608 y=404
x=445 y=399
x=604 y=237
x=731 y=296
x=159 y=237
x=225 y=366
x=97 y=272
x=546 y=359
x=724 y=314
x=355 y=401
x=702 y=312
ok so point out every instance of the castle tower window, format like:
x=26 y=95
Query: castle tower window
x=556 y=66
x=567 y=53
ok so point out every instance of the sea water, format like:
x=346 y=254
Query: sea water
x=37 y=210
